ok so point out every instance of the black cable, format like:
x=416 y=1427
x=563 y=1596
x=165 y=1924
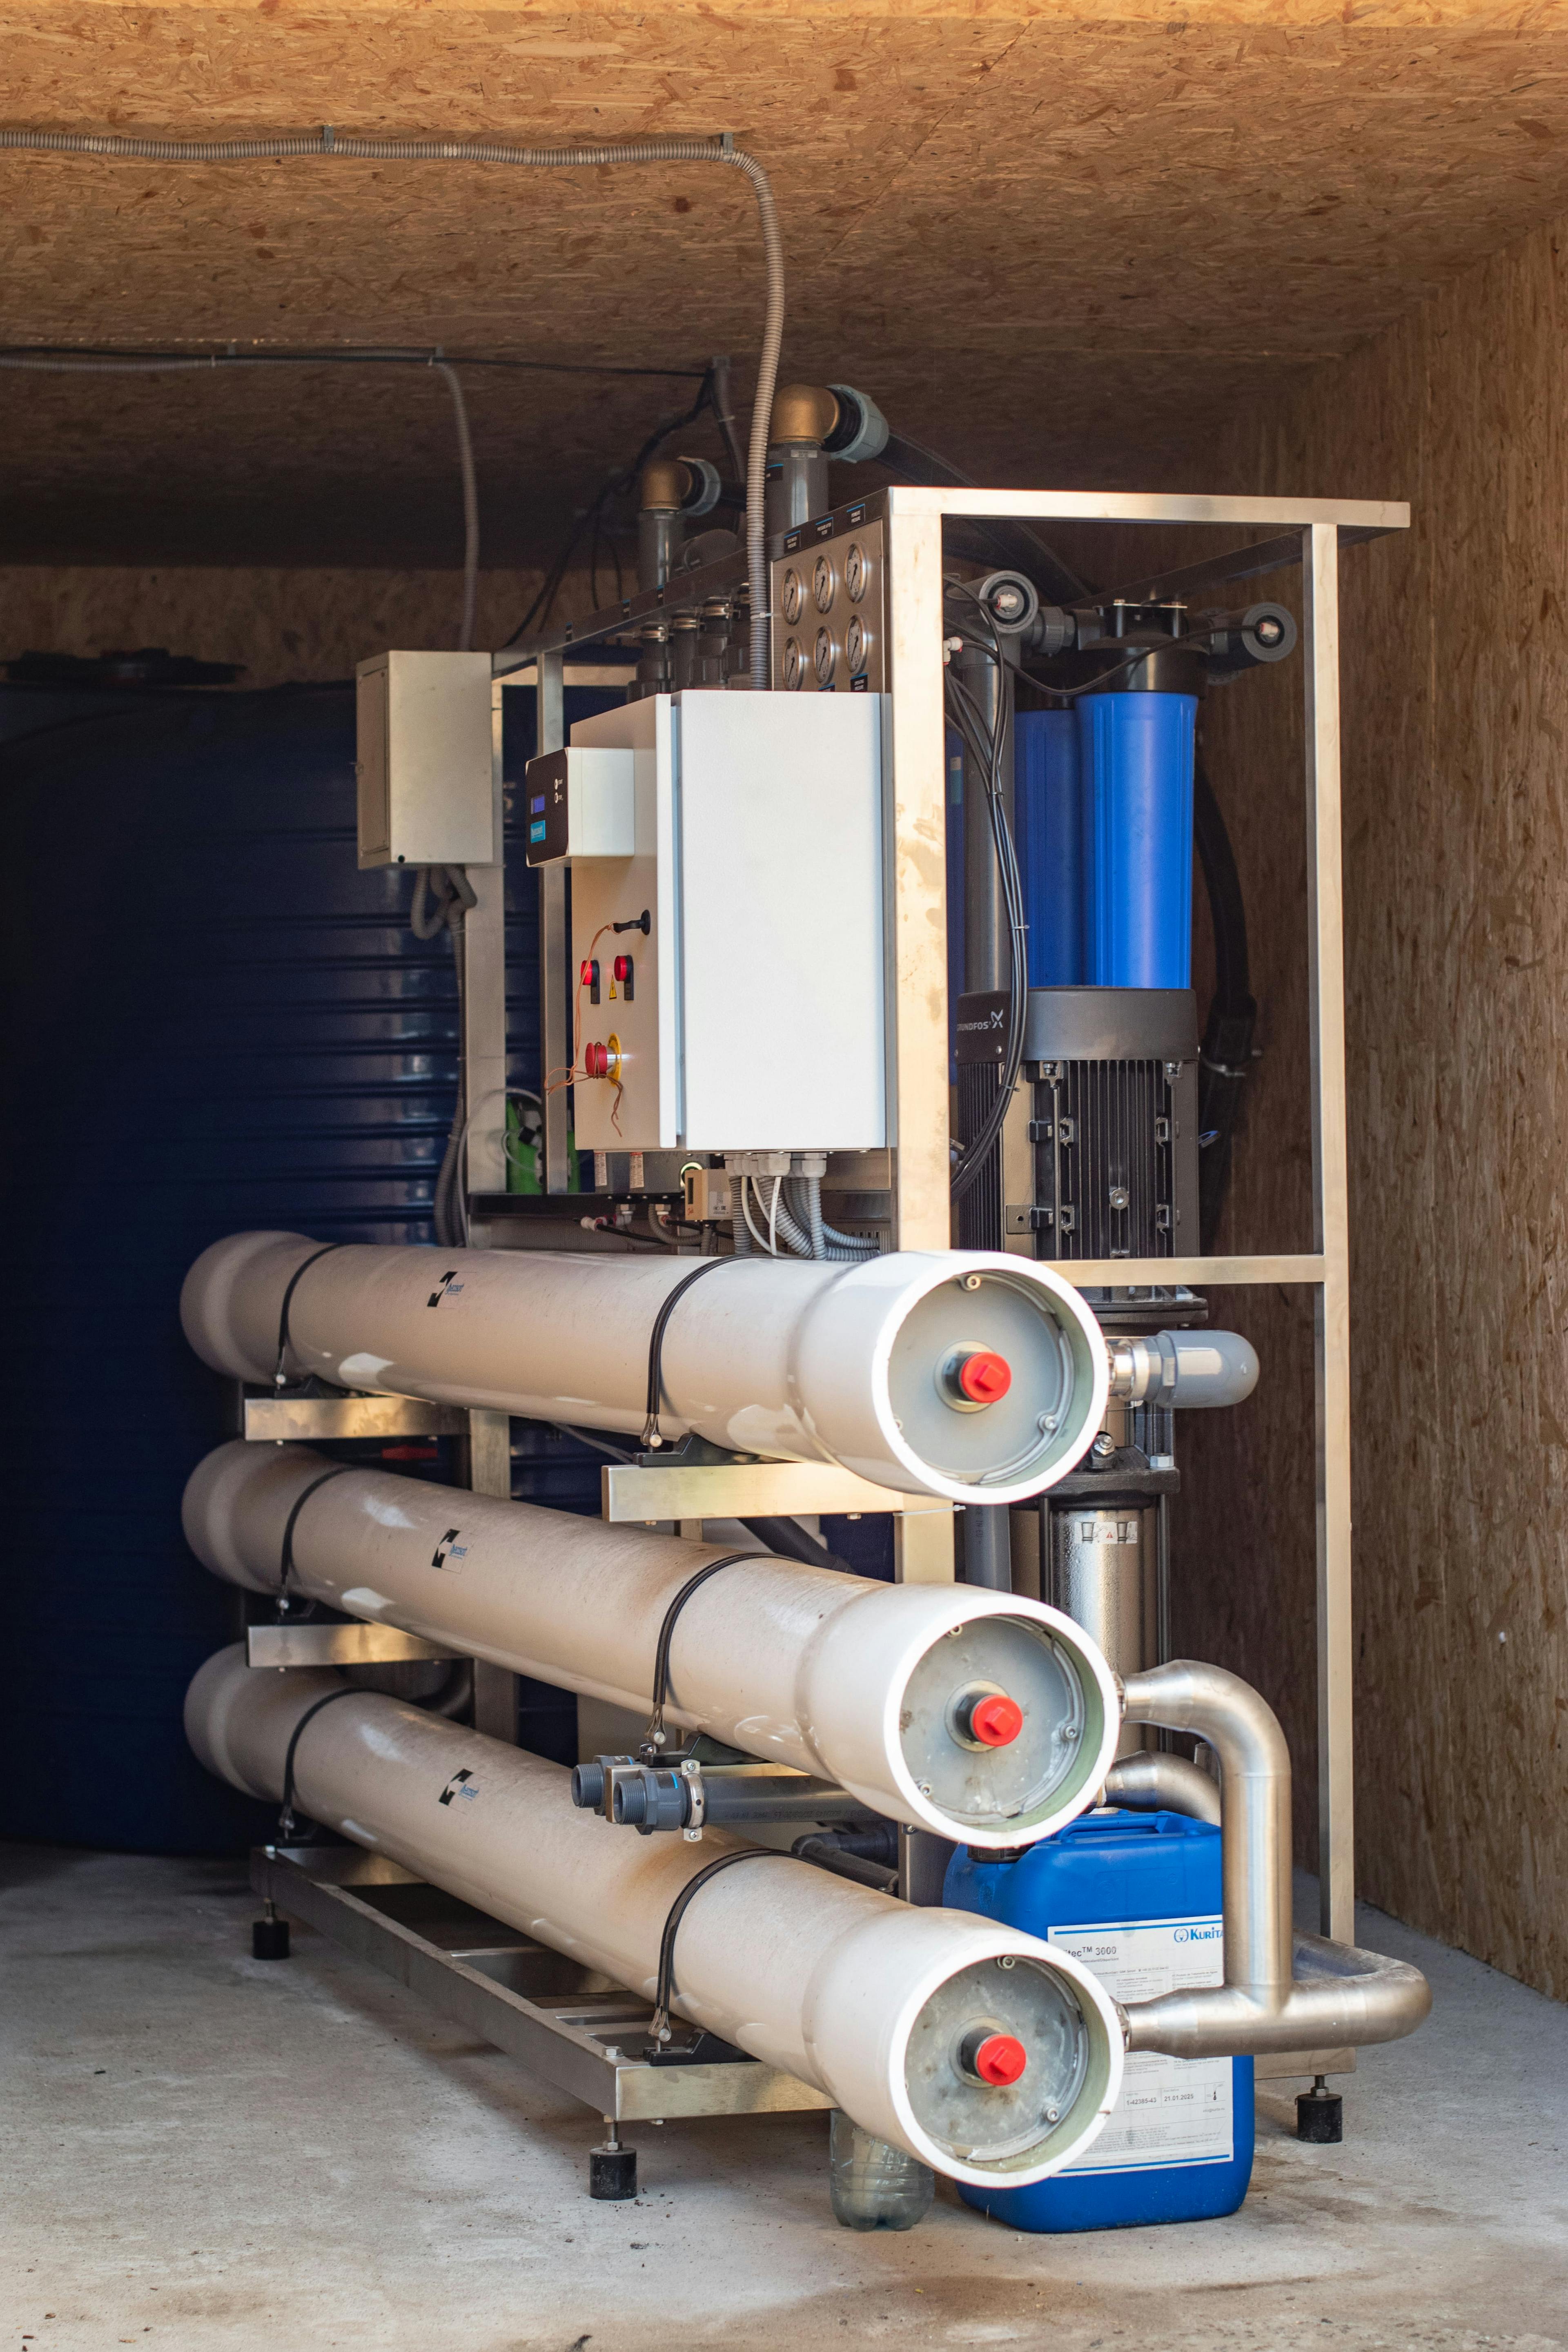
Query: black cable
x=651 y=1437
x=325 y=1251
x=664 y=1989
x=1225 y=1056
x=790 y=1540
x=286 y=1567
x=988 y=756
x=1015 y=542
x=286 y=1822
x=621 y=480
x=68 y=359
x=652 y=1741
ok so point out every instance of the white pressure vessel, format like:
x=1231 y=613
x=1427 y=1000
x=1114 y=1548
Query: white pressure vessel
x=987 y=1718
x=965 y=1373
x=892 y=2010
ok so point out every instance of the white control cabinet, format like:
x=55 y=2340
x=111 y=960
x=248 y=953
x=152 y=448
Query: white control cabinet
x=751 y=1015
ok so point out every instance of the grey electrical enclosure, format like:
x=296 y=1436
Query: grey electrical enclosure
x=427 y=794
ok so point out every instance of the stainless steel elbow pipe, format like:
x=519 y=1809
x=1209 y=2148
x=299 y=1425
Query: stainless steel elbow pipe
x=1340 y=1994
x=1151 y=1783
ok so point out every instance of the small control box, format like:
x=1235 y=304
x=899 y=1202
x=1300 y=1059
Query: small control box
x=428 y=791
x=579 y=803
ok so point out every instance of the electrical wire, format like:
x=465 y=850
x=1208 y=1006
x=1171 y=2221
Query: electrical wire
x=326 y=142
x=471 y=505
x=987 y=747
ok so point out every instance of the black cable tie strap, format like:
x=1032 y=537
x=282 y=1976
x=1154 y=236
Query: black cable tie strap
x=287 y=1824
x=286 y=1551
x=651 y=1438
x=304 y=1267
x=664 y=1990
x=652 y=1741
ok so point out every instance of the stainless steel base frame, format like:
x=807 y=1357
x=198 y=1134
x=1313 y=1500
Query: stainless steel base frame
x=565 y=2023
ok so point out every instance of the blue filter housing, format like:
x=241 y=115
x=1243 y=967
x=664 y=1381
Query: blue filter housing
x=1049 y=828
x=1137 y=754
x=1135 y=1896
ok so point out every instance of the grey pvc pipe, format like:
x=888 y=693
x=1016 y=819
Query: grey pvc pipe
x=1184 y=1368
x=1280 y=1992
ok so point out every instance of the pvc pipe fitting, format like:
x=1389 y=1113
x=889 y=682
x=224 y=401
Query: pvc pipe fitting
x=869 y=2001
x=873 y=1686
x=800 y=1360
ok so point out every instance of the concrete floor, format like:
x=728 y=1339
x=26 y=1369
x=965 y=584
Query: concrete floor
x=205 y=2151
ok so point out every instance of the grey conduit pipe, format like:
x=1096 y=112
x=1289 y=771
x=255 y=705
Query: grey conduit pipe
x=1280 y=1992
x=327 y=143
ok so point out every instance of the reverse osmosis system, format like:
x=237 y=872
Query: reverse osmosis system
x=877 y=1802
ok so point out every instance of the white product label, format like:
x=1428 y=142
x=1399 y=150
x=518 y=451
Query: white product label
x=1171 y=2110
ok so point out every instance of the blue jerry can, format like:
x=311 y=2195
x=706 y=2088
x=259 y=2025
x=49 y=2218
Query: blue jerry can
x=1136 y=1897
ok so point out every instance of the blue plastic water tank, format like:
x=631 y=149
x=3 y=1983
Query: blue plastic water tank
x=1047 y=823
x=1137 y=751
x=1136 y=1897
x=214 y=1021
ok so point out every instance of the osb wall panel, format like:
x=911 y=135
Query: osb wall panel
x=1455 y=710
x=282 y=625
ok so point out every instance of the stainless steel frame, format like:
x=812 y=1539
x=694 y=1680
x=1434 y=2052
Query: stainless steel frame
x=564 y=2023
x=1275 y=532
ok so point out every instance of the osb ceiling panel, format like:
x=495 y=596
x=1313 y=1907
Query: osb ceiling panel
x=1063 y=243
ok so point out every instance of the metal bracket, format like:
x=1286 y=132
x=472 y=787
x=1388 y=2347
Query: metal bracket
x=743 y=1490
x=338 y=1646
x=565 y=2023
x=308 y=1418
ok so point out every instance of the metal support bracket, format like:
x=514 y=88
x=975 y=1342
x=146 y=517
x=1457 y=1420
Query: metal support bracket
x=566 y=2024
x=338 y=1645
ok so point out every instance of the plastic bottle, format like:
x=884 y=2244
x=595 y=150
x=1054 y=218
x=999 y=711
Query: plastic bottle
x=874 y=2185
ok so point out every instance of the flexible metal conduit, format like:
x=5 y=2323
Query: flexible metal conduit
x=1280 y=1992
x=327 y=141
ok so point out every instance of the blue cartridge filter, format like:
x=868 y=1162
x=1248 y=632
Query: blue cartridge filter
x=1049 y=826
x=1136 y=751
x=1135 y=1896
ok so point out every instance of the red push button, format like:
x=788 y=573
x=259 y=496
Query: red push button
x=985 y=1376
x=623 y=967
x=597 y=1061
x=1000 y=2059
x=997 y=1721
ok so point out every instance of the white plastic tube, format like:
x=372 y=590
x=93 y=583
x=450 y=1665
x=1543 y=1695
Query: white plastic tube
x=865 y=1684
x=852 y=1364
x=869 y=1999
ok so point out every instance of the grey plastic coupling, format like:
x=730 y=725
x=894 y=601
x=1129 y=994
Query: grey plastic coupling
x=1184 y=1369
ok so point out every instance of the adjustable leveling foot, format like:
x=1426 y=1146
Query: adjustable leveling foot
x=1320 y=2115
x=270 y=1934
x=613 y=2169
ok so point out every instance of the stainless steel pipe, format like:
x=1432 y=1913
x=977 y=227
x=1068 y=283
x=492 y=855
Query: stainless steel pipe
x=1340 y=1994
x=1146 y=1783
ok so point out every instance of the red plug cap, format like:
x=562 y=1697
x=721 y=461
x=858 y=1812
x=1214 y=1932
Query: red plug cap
x=1001 y=2059
x=997 y=1721
x=597 y=1061
x=623 y=967
x=985 y=1376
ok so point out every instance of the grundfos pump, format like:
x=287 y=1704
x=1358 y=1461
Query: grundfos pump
x=809 y=1361
x=977 y=2051
x=970 y=1714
